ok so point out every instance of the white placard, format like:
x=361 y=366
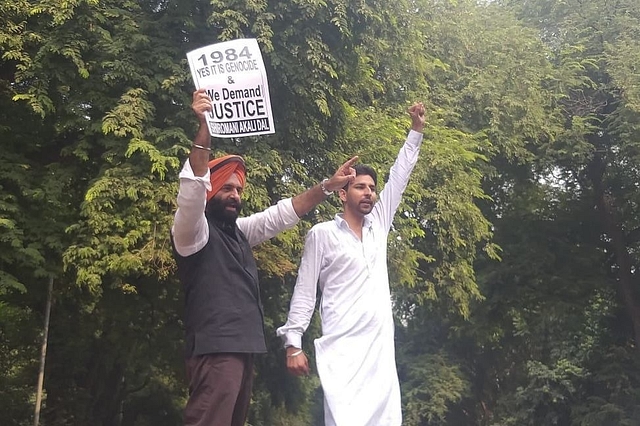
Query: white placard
x=233 y=74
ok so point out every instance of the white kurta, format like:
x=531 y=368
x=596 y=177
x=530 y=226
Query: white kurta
x=355 y=355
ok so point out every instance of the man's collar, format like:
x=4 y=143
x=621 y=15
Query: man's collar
x=341 y=222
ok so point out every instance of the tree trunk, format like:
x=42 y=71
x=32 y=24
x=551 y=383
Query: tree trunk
x=43 y=354
x=612 y=226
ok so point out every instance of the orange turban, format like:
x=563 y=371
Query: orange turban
x=222 y=169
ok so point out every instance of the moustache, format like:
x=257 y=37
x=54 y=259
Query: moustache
x=235 y=204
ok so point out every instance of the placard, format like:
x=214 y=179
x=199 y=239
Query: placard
x=233 y=74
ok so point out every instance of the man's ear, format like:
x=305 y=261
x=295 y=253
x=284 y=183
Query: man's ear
x=343 y=194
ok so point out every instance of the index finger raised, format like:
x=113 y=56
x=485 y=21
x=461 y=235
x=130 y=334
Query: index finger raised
x=350 y=161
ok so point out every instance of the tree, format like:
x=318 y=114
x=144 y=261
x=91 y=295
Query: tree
x=556 y=329
x=106 y=87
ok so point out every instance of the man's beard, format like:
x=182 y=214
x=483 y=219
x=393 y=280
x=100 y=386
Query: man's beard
x=217 y=209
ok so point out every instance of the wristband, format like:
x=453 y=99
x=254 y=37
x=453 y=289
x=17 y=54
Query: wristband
x=295 y=354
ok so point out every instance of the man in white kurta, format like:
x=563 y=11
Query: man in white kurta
x=347 y=259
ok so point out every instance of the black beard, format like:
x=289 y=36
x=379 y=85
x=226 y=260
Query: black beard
x=217 y=209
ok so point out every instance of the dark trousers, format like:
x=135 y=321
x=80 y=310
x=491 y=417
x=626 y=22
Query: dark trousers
x=219 y=389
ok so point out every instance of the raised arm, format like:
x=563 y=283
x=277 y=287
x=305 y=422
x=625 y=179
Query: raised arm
x=303 y=203
x=190 y=230
x=391 y=194
x=201 y=148
x=262 y=226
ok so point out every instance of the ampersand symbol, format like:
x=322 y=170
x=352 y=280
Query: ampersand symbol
x=230 y=80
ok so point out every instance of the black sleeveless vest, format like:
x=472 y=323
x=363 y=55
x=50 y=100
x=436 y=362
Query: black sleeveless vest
x=223 y=310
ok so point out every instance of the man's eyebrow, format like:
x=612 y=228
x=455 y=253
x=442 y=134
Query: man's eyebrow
x=230 y=185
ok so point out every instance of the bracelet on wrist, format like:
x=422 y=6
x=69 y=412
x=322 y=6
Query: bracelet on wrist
x=324 y=189
x=205 y=148
x=296 y=353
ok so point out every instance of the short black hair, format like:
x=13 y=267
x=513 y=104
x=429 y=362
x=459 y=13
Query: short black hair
x=364 y=169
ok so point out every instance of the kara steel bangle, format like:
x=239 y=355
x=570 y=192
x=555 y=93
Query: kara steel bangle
x=195 y=145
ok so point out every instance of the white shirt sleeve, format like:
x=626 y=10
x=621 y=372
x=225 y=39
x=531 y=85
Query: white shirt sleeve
x=190 y=229
x=391 y=194
x=267 y=224
x=303 y=300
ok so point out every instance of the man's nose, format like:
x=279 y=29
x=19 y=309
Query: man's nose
x=235 y=195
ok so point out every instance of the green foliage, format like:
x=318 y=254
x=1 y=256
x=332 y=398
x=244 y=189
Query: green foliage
x=17 y=362
x=106 y=90
x=560 y=135
x=548 y=397
x=516 y=298
x=433 y=383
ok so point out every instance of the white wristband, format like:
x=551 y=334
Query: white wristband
x=295 y=354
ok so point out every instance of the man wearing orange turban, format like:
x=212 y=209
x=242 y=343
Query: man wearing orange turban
x=212 y=248
x=222 y=169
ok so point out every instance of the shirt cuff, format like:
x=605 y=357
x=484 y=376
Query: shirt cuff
x=292 y=339
x=187 y=173
x=414 y=138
